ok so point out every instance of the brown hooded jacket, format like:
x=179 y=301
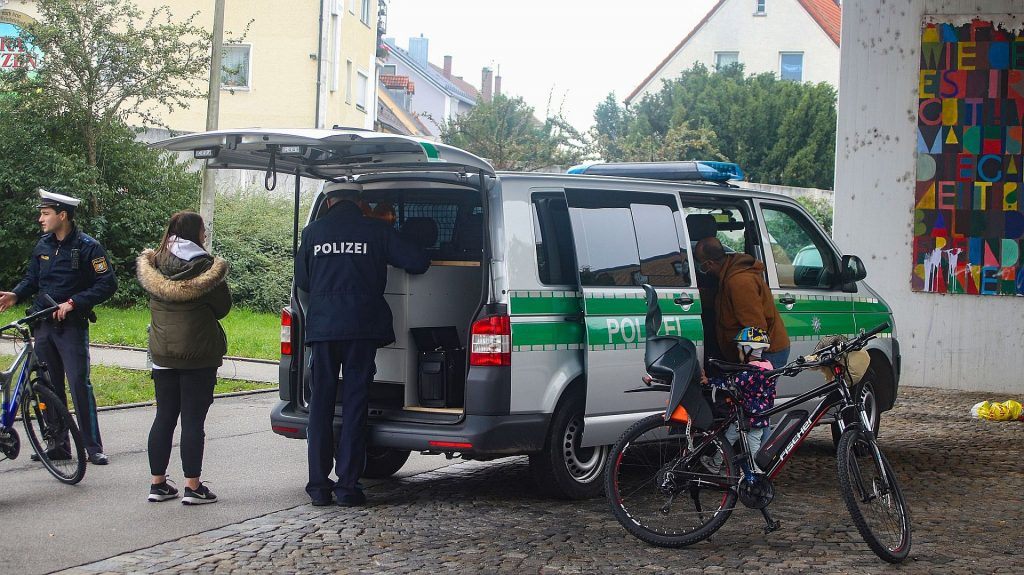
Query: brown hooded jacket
x=745 y=300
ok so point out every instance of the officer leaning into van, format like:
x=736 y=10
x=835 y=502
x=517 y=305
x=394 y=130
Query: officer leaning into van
x=73 y=269
x=343 y=265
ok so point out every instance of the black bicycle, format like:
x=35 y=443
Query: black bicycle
x=663 y=490
x=50 y=428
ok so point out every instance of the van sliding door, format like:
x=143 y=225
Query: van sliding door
x=624 y=240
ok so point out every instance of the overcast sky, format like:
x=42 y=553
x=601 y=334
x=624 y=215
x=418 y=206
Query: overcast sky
x=575 y=51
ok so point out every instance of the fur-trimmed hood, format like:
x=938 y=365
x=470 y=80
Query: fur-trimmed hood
x=178 y=290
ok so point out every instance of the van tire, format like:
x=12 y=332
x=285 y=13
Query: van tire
x=383 y=462
x=564 y=469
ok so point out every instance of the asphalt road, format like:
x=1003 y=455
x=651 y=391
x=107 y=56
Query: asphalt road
x=48 y=526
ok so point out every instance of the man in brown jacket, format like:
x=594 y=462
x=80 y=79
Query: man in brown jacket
x=744 y=300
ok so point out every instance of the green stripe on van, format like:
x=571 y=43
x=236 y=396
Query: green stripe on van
x=548 y=302
x=547 y=336
x=617 y=304
x=431 y=152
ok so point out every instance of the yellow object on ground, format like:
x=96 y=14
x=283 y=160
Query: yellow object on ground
x=1008 y=410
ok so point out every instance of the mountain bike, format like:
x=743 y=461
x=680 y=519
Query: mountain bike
x=663 y=492
x=50 y=428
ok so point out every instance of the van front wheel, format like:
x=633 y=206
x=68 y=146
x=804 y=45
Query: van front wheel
x=565 y=469
x=382 y=462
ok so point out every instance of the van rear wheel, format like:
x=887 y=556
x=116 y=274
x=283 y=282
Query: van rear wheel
x=565 y=469
x=382 y=462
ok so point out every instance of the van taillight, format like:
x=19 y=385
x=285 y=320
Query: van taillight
x=286 y=332
x=491 y=341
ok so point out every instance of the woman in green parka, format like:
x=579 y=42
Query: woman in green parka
x=188 y=295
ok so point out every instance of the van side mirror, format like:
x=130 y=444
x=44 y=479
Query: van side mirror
x=851 y=270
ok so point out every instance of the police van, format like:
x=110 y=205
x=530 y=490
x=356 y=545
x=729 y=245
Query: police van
x=527 y=329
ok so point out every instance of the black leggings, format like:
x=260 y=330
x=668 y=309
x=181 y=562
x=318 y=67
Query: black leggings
x=188 y=392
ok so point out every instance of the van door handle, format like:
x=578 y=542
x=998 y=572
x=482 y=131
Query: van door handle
x=572 y=318
x=787 y=300
x=684 y=300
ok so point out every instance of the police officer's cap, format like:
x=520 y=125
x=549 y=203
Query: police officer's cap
x=343 y=191
x=57 y=201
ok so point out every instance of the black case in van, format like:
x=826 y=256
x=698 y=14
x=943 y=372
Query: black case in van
x=440 y=367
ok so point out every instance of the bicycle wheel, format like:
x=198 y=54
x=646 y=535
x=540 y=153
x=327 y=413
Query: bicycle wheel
x=53 y=434
x=659 y=489
x=873 y=496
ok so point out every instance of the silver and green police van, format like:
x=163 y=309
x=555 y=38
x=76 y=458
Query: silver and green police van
x=527 y=329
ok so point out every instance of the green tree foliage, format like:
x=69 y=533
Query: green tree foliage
x=505 y=132
x=820 y=209
x=138 y=187
x=254 y=234
x=105 y=62
x=780 y=132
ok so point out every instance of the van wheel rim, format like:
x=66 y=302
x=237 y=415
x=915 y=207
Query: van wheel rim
x=584 y=464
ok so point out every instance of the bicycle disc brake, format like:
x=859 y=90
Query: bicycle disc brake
x=756 y=494
x=10 y=443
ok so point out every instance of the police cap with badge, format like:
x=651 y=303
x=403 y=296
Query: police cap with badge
x=58 y=202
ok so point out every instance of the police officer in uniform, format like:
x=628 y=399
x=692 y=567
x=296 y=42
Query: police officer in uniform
x=342 y=264
x=73 y=269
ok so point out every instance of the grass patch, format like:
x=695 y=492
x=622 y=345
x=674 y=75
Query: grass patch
x=250 y=334
x=118 y=386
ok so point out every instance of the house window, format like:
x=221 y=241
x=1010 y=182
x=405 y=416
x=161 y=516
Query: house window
x=235 y=69
x=759 y=7
x=388 y=70
x=365 y=15
x=362 y=83
x=791 y=66
x=725 y=59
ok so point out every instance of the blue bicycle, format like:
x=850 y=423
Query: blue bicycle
x=26 y=387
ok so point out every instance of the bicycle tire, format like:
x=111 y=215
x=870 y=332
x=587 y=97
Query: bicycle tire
x=643 y=477
x=876 y=505
x=47 y=423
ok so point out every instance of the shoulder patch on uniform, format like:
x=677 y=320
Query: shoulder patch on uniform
x=99 y=265
x=44 y=257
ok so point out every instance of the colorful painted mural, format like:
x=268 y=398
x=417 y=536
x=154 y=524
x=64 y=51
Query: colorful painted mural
x=968 y=218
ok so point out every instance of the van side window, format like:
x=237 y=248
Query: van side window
x=556 y=261
x=627 y=239
x=662 y=261
x=802 y=258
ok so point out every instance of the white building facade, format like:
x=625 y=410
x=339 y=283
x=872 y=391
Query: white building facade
x=928 y=181
x=794 y=39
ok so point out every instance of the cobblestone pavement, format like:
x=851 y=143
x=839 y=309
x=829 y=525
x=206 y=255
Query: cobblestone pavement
x=963 y=480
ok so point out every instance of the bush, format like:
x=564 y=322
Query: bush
x=126 y=199
x=253 y=232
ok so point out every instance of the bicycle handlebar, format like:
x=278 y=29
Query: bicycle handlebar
x=828 y=355
x=33 y=317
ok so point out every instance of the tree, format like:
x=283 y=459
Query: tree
x=105 y=62
x=139 y=187
x=780 y=132
x=505 y=132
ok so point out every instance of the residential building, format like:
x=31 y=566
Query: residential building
x=794 y=39
x=928 y=180
x=291 y=68
x=439 y=95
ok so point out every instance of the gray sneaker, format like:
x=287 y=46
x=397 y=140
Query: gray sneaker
x=709 y=463
x=162 y=491
x=200 y=496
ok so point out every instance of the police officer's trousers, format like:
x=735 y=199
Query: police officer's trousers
x=355 y=359
x=64 y=347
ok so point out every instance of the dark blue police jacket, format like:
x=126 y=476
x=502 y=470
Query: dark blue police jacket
x=76 y=268
x=343 y=264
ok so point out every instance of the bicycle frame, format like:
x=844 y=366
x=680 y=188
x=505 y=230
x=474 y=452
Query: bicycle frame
x=832 y=393
x=12 y=397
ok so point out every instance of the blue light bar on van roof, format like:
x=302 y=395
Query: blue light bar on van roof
x=675 y=171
